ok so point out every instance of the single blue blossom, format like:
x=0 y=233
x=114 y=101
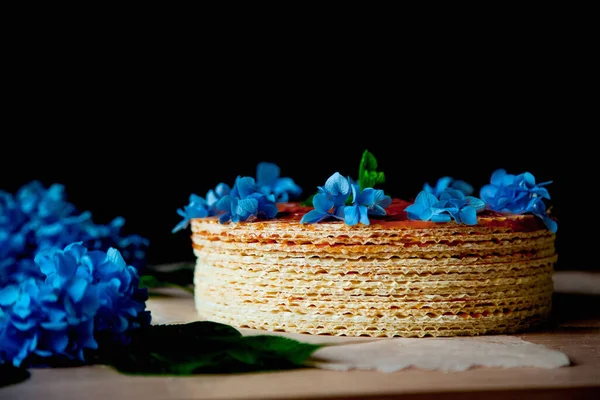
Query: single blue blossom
x=269 y=182
x=451 y=204
x=86 y=300
x=196 y=208
x=517 y=194
x=423 y=209
x=463 y=209
x=245 y=201
x=199 y=207
x=369 y=201
x=329 y=200
x=324 y=207
x=448 y=182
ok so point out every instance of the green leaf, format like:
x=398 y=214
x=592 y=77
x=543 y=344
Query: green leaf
x=292 y=350
x=368 y=161
x=308 y=201
x=207 y=347
x=368 y=176
x=152 y=282
x=149 y=281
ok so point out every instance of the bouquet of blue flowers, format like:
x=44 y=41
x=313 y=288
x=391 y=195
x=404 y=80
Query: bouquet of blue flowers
x=65 y=282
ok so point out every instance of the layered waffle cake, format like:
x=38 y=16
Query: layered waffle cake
x=394 y=277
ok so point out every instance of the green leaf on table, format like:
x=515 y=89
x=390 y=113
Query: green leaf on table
x=368 y=176
x=152 y=282
x=278 y=346
x=207 y=347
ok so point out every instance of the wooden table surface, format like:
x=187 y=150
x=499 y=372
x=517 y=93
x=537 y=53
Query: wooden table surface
x=574 y=330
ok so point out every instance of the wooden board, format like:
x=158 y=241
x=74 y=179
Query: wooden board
x=575 y=330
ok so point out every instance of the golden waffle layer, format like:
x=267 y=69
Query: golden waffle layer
x=392 y=278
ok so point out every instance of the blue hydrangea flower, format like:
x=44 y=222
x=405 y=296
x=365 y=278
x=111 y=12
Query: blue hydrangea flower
x=448 y=182
x=270 y=183
x=369 y=201
x=424 y=209
x=517 y=194
x=330 y=200
x=245 y=201
x=197 y=208
x=37 y=218
x=451 y=204
x=87 y=299
x=324 y=207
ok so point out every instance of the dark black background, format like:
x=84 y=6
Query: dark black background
x=136 y=142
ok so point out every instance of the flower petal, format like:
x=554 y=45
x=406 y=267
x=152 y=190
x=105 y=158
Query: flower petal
x=77 y=289
x=351 y=215
x=287 y=185
x=498 y=176
x=270 y=210
x=8 y=295
x=367 y=197
x=337 y=184
x=226 y=217
x=313 y=216
x=377 y=210
x=528 y=179
x=245 y=186
x=382 y=200
x=441 y=218
x=442 y=184
x=475 y=202
x=322 y=202
x=468 y=215
x=364 y=215
x=247 y=206
x=224 y=204
x=426 y=199
x=463 y=187
x=267 y=173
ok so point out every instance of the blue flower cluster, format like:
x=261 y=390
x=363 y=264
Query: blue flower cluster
x=248 y=198
x=85 y=299
x=269 y=182
x=331 y=199
x=37 y=217
x=244 y=201
x=517 y=194
x=451 y=204
x=448 y=182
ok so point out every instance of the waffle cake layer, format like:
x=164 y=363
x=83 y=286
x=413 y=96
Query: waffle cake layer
x=394 y=277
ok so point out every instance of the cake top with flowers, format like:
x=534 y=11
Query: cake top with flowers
x=343 y=199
